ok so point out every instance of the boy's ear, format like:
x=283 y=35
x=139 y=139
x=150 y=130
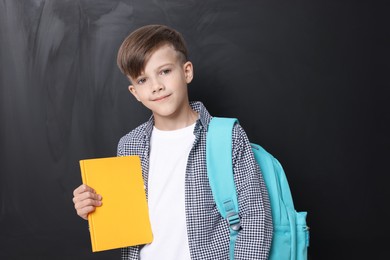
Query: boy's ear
x=133 y=91
x=188 y=71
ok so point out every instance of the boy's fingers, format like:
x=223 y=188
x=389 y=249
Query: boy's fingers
x=86 y=197
x=85 y=200
x=82 y=188
x=87 y=203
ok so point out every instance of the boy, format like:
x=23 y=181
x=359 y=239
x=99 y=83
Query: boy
x=171 y=145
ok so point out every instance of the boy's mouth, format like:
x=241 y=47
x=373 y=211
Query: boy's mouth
x=161 y=98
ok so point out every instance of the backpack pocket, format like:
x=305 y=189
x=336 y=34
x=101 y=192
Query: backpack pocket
x=290 y=242
x=281 y=243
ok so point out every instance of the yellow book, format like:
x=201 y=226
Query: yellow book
x=123 y=218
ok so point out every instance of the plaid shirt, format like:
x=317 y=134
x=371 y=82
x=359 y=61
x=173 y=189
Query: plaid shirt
x=208 y=232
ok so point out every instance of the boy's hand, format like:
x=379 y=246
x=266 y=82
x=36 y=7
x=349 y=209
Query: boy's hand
x=85 y=200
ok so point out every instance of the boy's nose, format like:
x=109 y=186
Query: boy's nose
x=157 y=86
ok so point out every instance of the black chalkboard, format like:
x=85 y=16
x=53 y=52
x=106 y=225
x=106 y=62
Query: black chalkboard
x=307 y=79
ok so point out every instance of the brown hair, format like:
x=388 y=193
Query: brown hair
x=137 y=48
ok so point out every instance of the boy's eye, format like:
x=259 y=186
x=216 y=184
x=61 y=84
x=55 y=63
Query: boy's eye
x=141 y=81
x=165 y=72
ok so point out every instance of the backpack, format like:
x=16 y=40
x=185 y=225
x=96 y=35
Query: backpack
x=290 y=232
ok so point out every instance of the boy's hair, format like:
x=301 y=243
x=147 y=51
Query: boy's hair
x=137 y=48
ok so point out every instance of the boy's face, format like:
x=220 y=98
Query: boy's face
x=162 y=86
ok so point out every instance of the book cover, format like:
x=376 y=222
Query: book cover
x=123 y=218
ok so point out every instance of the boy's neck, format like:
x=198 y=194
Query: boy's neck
x=183 y=120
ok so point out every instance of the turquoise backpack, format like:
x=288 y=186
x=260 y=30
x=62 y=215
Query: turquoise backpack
x=290 y=233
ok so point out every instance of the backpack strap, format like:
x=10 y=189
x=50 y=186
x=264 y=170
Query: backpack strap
x=220 y=173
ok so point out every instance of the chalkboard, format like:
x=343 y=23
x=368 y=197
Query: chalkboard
x=308 y=80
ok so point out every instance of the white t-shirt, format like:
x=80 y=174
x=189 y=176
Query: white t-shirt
x=166 y=194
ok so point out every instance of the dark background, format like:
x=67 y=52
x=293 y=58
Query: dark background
x=309 y=81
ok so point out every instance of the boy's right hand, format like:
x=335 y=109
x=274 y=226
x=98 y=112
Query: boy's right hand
x=85 y=200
